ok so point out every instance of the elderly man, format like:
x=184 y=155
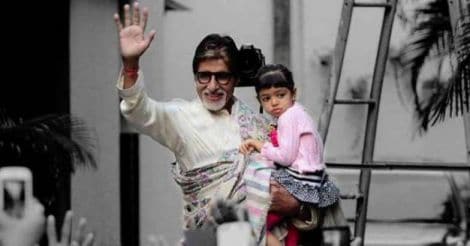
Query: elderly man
x=204 y=134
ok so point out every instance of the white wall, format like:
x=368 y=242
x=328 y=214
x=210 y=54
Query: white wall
x=93 y=71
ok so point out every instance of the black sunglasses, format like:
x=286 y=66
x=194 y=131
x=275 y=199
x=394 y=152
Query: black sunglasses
x=222 y=78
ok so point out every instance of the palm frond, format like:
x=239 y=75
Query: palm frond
x=414 y=11
x=452 y=100
x=60 y=138
x=431 y=37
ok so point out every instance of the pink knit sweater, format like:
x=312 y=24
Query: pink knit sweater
x=300 y=146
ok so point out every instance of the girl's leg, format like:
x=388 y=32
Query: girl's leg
x=271 y=240
x=272 y=220
x=293 y=236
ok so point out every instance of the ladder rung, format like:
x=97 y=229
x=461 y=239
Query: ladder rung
x=350 y=196
x=354 y=101
x=436 y=166
x=373 y=4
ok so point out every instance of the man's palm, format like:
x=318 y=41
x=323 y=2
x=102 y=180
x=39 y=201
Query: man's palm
x=133 y=42
x=132 y=39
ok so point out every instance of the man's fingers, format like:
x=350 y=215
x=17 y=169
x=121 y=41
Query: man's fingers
x=51 y=234
x=150 y=37
x=127 y=15
x=273 y=183
x=118 y=22
x=136 y=14
x=80 y=234
x=89 y=239
x=145 y=16
x=67 y=227
x=242 y=149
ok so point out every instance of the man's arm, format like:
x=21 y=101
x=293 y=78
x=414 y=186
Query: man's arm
x=158 y=120
x=148 y=116
x=282 y=201
x=286 y=204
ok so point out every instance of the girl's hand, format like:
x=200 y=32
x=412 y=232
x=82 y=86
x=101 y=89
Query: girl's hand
x=132 y=41
x=250 y=145
x=246 y=148
x=258 y=145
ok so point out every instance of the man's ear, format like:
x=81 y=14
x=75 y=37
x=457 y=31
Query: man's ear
x=294 y=93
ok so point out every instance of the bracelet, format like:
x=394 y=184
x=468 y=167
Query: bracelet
x=131 y=72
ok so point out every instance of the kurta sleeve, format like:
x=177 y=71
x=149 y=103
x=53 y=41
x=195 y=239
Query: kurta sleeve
x=149 y=117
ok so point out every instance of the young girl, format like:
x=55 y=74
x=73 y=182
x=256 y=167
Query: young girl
x=296 y=147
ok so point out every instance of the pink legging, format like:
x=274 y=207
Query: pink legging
x=292 y=237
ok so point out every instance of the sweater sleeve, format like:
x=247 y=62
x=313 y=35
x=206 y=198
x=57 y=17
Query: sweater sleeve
x=288 y=140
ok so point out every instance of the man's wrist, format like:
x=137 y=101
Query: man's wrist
x=131 y=72
x=130 y=63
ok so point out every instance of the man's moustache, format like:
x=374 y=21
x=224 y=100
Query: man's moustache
x=210 y=93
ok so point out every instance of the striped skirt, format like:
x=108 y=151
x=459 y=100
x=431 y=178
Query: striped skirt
x=314 y=188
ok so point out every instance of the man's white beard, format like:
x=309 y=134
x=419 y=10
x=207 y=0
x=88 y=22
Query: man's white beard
x=215 y=106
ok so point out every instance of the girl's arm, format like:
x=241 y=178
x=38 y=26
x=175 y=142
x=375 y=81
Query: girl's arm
x=288 y=139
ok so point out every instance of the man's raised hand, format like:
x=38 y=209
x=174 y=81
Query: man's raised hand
x=132 y=39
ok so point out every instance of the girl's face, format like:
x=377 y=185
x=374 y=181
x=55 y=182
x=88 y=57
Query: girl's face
x=276 y=100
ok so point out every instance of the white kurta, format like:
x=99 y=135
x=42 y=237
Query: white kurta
x=195 y=135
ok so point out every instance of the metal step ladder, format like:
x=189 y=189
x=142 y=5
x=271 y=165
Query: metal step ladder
x=373 y=101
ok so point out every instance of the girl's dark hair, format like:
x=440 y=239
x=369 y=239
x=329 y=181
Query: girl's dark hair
x=274 y=75
x=216 y=46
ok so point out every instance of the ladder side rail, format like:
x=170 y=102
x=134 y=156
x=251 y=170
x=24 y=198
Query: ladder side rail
x=337 y=65
x=372 y=118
